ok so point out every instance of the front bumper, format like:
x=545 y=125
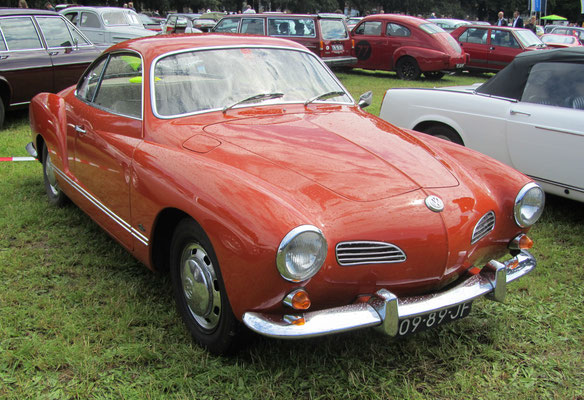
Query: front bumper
x=385 y=310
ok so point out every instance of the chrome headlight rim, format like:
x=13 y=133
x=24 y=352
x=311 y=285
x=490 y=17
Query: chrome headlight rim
x=283 y=268
x=518 y=206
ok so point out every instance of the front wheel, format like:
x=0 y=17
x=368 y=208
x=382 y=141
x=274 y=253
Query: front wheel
x=199 y=291
x=54 y=193
x=407 y=68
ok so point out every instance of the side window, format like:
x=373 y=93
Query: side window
x=372 y=28
x=73 y=17
x=474 y=35
x=89 y=20
x=120 y=88
x=172 y=21
x=252 y=26
x=503 y=39
x=2 y=43
x=291 y=27
x=81 y=41
x=55 y=31
x=90 y=81
x=397 y=30
x=556 y=84
x=227 y=25
x=20 y=34
x=181 y=22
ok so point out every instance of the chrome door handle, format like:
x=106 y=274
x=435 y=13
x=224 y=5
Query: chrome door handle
x=4 y=56
x=79 y=129
x=513 y=112
x=53 y=53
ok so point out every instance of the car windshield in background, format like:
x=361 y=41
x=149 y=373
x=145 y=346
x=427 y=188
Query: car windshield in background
x=528 y=38
x=208 y=80
x=431 y=28
x=333 y=29
x=120 y=18
x=560 y=39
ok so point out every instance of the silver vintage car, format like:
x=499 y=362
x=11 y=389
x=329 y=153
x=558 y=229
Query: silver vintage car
x=107 y=25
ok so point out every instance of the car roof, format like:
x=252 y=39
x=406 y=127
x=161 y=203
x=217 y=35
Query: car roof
x=283 y=14
x=100 y=9
x=25 y=11
x=154 y=46
x=397 y=18
x=510 y=81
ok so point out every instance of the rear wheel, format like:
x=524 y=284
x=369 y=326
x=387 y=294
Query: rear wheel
x=54 y=193
x=444 y=132
x=199 y=291
x=407 y=68
x=433 y=75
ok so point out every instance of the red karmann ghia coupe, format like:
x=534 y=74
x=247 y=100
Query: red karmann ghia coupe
x=243 y=166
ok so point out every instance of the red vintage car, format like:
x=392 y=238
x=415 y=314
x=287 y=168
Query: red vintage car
x=492 y=48
x=408 y=45
x=243 y=167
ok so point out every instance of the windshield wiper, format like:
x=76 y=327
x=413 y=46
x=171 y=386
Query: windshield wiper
x=323 y=96
x=253 y=99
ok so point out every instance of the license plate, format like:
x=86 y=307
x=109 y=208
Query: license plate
x=420 y=323
x=338 y=47
x=459 y=65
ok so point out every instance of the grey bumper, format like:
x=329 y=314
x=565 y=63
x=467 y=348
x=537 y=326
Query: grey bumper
x=384 y=309
x=335 y=62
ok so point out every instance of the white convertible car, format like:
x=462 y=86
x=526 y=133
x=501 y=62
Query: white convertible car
x=530 y=116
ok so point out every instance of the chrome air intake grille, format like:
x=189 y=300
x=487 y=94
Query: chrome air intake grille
x=485 y=225
x=356 y=253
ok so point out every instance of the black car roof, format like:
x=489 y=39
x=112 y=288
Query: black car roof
x=24 y=11
x=510 y=81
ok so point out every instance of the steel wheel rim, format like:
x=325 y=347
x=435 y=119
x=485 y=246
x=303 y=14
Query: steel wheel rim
x=408 y=69
x=51 y=177
x=200 y=286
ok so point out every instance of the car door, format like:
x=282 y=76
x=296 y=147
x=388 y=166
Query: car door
x=474 y=41
x=371 y=45
x=70 y=52
x=104 y=127
x=545 y=134
x=503 y=48
x=24 y=61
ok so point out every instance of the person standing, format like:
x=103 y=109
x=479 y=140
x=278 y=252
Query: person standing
x=501 y=21
x=22 y=4
x=531 y=24
x=517 y=20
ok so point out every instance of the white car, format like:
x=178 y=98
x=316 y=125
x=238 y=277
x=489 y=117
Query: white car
x=530 y=116
x=107 y=25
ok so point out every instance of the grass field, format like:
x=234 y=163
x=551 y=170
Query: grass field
x=80 y=318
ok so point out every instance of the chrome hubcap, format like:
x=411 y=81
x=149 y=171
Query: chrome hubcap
x=200 y=286
x=50 y=171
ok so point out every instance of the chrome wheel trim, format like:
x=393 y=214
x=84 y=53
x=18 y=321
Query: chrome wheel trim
x=200 y=286
x=444 y=137
x=51 y=177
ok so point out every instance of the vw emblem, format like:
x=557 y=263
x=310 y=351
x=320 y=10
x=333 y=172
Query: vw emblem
x=434 y=203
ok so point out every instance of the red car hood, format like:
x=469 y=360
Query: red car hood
x=355 y=155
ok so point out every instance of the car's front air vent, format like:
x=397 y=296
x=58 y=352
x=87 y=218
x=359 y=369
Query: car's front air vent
x=485 y=225
x=364 y=252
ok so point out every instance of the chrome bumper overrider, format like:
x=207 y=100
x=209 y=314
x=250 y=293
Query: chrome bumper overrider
x=384 y=310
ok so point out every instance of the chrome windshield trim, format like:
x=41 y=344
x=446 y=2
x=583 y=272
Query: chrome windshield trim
x=207 y=48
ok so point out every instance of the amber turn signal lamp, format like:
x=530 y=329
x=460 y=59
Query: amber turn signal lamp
x=321 y=45
x=298 y=300
x=521 y=242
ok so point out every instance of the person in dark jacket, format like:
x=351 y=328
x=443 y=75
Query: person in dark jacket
x=517 y=20
x=531 y=24
x=501 y=21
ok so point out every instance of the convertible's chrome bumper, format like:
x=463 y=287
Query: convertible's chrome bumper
x=385 y=310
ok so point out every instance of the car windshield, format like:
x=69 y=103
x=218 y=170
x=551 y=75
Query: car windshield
x=209 y=80
x=561 y=39
x=121 y=17
x=528 y=38
x=333 y=29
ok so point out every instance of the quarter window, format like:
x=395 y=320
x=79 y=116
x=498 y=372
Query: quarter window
x=20 y=34
x=397 y=30
x=371 y=28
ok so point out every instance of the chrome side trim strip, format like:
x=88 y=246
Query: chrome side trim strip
x=562 y=185
x=135 y=233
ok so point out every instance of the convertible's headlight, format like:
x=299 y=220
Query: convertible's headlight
x=301 y=253
x=529 y=205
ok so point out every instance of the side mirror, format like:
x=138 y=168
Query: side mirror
x=366 y=99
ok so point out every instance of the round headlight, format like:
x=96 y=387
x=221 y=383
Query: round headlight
x=529 y=205
x=301 y=253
